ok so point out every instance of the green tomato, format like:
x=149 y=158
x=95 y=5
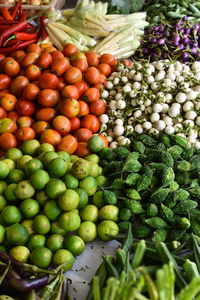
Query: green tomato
x=107 y=230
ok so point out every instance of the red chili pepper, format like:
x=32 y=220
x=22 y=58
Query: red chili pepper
x=17 y=46
x=19 y=27
x=43 y=31
x=9 y=22
x=23 y=16
x=23 y=36
x=20 y=10
x=15 y=9
x=5 y=13
x=11 y=43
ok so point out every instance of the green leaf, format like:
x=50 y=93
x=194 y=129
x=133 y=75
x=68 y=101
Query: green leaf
x=132 y=166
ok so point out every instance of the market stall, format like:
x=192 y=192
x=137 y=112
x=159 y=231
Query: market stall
x=99 y=150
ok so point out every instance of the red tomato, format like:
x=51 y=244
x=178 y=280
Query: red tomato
x=73 y=75
x=102 y=79
x=81 y=64
x=34 y=48
x=75 y=123
x=83 y=134
x=48 y=81
x=70 y=108
x=82 y=150
x=60 y=66
x=24 y=134
x=32 y=72
x=57 y=54
x=84 y=108
x=108 y=59
x=2 y=56
x=18 y=84
x=4 y=81
x=8 y=102
x=98 y=107
x=91 y=95
x=25 y=121
x=18 y=55
x=69 y=49
x=11 y=67
x=48 y=97
x=68 y=144
x=25 y=108
x=61 y=84
x=3 y=113
x=90 y=122
x=30 y=91
x=62 y=125
x=44 y=60
x=29 y=59
x=92 y=75
x=50 y=136
x=40 y=126
x=45 y=114
x=70 y=91
x=98 y=86
x=82 y=86
x=93 y=58
x=104 y=69
x=13 y=115
x=7 y=141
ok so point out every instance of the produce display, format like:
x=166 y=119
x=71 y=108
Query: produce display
x=100 y=141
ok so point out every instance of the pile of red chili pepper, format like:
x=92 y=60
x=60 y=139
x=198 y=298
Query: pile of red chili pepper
x=16 y=30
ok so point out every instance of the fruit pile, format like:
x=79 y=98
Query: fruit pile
x=43 y=196
x=53 y=96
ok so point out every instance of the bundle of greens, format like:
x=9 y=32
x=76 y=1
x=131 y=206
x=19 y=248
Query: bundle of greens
x=124 y=6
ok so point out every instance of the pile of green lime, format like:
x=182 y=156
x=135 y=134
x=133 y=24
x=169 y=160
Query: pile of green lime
x=51 y=204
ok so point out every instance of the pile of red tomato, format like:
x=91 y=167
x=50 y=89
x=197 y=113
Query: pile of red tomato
x=52 y=96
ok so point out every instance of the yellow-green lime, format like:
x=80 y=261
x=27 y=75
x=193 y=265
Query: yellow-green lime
x=49 y=156
x=39 y=179
x=101 y=180
x=20 y=253
x=15 y=176
x=69 y=221
x=89 y=184
x=32 y=166
x=109 y=212
x=21 y=162
x=81 y=168
x=89 y=213
x=4 y=170
x=5 y=297
x=57 y=167
x=30 y=147
x=41 y=198
x=9 y=163
x=70 y=181
x=54 y=188
x=98 y=199
x=3 y=185
x=107 y=230
x=55 y=242
x=68 y=200
x=94 y=170
x=83 y=197
x=36 y=240
x=10 y=215
x=45 y=147
x=2 y=234
x=41 y=257
x=63 y=256
x=2 y=203
x=74 y=244
x=55 y=228
x=17 y=234
x=41 y=224
x=9 y=192
x=29 y=225
x=24 y=190
x=73 y=158
x=87 y=231
x=29 y=208
x=52 y=210
x=14 y=153
x=64 y=155
x=93 y=158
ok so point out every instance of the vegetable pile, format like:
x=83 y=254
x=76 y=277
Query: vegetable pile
x=153 y=98
x=156 y=187
x=176 y=41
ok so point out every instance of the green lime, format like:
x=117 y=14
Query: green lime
x=83 y=197
x=49 y=156
x=41 y=257
x=74 y=244
x=93 y=158
x=98 y=199
x=68 y=200
x=80 y=168
x=9 y=192
x=54 y=188
x=2 y=233
x=4 y=170
x=41 y=198
x=30 y=147
x=29 y=225
x=21 y=162
x=88 y=184
x=55 y=242
x=69 y=221
x=73 y=158
x=10 y=215
x=17 y=234
x=64 y=155
x=13 y=153
x=9 y=163
x=32 y=166
x=45 y=147
x=15 y=176
x=36 y=240
x=29 y=208
x=2 y=203
x=52 y=210
x=89 y=213
x=24 y=190
x=109 y=212
x=41 y=224
x=20 y=253
x=101 y=180
x=40 y=156
x=63 y=256
x=39 y=179
x=95 y=144
x=57 y=167
x=100 y=171
x=94 y=170
x=87 y=231
x=107 y=230
x=3 y=185
x=55 y=228
x=5 y=297
x=70 y=181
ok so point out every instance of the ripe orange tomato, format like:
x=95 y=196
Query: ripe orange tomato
x=73 y=75
x=127 y=62
x=44 y=60
x=11 y=67
x=84 y=109
x=105 y=69
x=91 y=95
x=82 y=150
x=7 y=141
x=13 y=115
x=18 y=84
x=81 y=64
x=69 y=49
x=70 y=108
x=29 y=59
x=4 y=81
x=98 y=107
x=45 y=114
x=48 y=81
x=82 y=86
x=61 y=84
x=2 y=56
x=93 y=58
x=48 y=97
x=92 y=75
x=18 y=55
x=57 y=54
x=60 y=66
x=3 y=113
x=8 y=102
x=50 y=136
x=68 y=144
x=83 y=134
x=34 y=48
x=98 y=86
x=32 y=72
x=30 y=91
x=62 y=125
x=24 y=134
x=25 y=121
x=90 y=122
x=108 y=59
x=70 y=91
x=40 y=126
x=25 y=108
x=75 y=123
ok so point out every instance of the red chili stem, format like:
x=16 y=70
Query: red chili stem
x=19 y=27
x=11 y=43
x=15 y=9
x=5 y=13
x=17 y=46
